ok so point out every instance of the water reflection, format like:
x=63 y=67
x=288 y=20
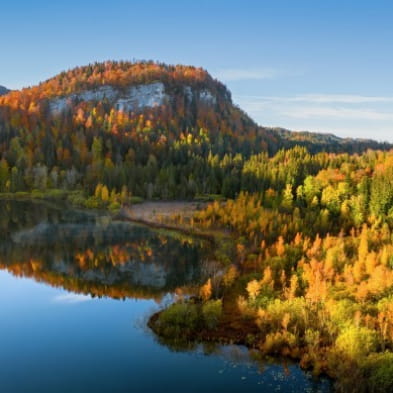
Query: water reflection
x=62 y=341
x=92 y=254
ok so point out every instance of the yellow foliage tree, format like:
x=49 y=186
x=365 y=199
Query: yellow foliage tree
x=206 y=290
x=105 y=194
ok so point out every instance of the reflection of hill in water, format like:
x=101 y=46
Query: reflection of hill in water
x=95 y=255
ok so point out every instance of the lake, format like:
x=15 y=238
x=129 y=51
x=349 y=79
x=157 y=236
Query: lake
x=76 y=291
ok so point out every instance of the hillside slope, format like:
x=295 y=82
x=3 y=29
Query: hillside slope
x=169 y=100
x=157 y=130
x=175 y=99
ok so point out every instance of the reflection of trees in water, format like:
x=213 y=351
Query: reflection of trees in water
x=277 y=372
x=91 y=254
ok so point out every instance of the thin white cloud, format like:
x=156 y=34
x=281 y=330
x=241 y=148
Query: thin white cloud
x=322 y=98
x=233 y=74
x=344 y=98
x=304 y=112
x=342 y=114
x=71 y=298
x=321 y=106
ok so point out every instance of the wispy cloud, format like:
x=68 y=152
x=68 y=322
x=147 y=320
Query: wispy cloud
x=344 y=114
x=71 y=298
x=238 y=74
x=321 y=98
x=304 y=112
x=343 y=98
x=321 y=106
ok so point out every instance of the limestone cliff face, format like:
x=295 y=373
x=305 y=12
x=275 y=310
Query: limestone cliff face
x=132 y=99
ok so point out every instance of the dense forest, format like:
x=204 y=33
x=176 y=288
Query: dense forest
x=313 y=274
x=311 y=216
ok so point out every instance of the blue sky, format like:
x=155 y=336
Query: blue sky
x=305 y=65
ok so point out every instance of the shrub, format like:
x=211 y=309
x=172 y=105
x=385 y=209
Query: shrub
x=342 y=312
x=279 y=342
x=356 y=342
x=114 y=206
x=178 y=319
x=230 y=275
x=296 y=308
x=253 y=289
x=378 y=370
x=55 y=193
x=264 y=297
x=212 y=312
x=77 y=199
x=94 y=203
x=37 y=194
x=206 y=290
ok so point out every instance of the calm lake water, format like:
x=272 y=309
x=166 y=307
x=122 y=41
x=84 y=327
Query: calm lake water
x=76 y=291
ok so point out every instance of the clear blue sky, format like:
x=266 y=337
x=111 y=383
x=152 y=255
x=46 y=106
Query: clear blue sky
x=319 y=65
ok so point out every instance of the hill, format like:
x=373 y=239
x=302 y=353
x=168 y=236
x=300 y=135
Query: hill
x=177 y=100
x=156 y=130
x=169 y=100
x=3 y=90
x=314 y=141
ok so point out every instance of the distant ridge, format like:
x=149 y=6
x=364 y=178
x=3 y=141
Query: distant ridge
x=327 y=141
x=3 y=90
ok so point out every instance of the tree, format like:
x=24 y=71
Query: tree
x=363 y=244
x=206 y=290
x=287 y=199
x=104 y=193
x=4 y=175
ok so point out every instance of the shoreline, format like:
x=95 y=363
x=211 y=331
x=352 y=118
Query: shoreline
x=160 y=215
x=228 y=334
x=153 y=214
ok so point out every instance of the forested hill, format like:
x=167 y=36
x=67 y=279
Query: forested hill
x=3 y=90
x=157 y=130
x=145 y=102
x=318 y=142
x=167 y=102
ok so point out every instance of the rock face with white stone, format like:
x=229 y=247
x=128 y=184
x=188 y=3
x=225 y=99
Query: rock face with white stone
x=130 y=99
x=207 y=97
x=142 y=96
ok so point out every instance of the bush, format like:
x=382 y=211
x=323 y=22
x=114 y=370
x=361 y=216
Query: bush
x=37 y=194
x=279 y=342
x=114 y=206
x=94 y=203
x=296 y=308
x=341 y=313
x=77 y=199
x=378 y=370
x=264 y=297
x=55 y=194
x=212 y=312
x=356 y=342
x=178 y=319
x=22 y=194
